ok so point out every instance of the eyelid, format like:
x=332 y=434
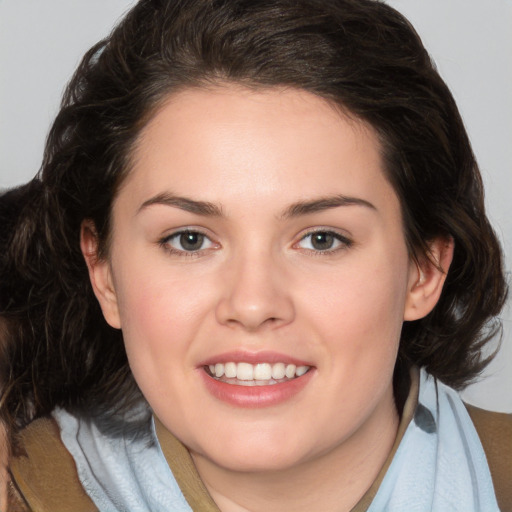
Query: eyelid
x=164 y=241
x=344 y=240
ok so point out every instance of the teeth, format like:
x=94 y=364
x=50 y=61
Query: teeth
x=245 y=371
x=257 y=372
x=230 y=370
x=219 y=370
x=279 y=371
x=262 y=371
x=290 y=371
x=301 y=370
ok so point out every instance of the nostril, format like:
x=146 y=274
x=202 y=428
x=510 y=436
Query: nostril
x=252 y=308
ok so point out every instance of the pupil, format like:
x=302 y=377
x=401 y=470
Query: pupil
x=191 y=241
x=322 y=241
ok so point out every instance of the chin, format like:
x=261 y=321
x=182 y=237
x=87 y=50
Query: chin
x=249 y=462
x=262 y=451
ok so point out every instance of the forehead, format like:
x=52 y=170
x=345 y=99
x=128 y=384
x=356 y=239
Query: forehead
x=245 y=143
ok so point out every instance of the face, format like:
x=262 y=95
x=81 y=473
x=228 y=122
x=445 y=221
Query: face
x=260 y=275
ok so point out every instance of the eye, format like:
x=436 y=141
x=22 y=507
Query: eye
x=187 y=241
x=323 y=241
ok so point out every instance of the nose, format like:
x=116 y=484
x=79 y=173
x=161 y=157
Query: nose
x=256 y=294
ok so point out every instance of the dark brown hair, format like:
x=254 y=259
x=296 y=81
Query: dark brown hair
x=359 y=54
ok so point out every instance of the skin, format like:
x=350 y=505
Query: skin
x=257 y=283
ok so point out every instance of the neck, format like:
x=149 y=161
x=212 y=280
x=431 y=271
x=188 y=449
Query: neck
x=332 y=481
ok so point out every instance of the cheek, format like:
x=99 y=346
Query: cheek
x=359 y=308
x=357 y=314
x=160 y=317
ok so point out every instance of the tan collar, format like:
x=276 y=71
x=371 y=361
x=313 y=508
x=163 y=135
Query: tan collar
x=184 y=471
x=182 y=466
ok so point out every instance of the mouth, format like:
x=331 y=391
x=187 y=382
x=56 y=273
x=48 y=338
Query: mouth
x=259 y=374
x=255 y=379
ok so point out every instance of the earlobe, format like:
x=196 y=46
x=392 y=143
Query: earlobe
x=427 y=277
x=100 y=274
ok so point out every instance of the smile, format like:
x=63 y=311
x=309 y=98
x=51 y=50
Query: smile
x=255 y=379
x=260 y=374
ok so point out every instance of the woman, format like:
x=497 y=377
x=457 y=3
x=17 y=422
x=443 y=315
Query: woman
x=254 y=223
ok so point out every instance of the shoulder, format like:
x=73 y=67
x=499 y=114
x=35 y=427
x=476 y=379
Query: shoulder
x=45 y=475
x=492 y=426
x=495 y=432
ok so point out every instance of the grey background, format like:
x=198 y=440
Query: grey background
x=41 y=42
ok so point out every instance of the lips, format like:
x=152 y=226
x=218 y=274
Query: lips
x=255 y=380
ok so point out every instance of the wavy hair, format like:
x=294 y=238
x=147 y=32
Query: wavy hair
x=361 y=55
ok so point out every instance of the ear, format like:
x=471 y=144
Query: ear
x=100 y=274
x=427 y=277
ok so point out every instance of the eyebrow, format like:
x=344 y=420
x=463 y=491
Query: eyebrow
x=203 y=208
x=324 y=203
x=207 y=209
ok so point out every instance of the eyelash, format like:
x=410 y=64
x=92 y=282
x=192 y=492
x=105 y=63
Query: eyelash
x=344 y=242
x=165 y=243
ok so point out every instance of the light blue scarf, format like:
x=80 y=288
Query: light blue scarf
x=440 y=465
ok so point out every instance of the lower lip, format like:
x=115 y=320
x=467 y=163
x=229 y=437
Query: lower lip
x=255 y=396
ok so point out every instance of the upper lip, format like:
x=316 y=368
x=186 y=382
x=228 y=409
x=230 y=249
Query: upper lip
x=239 y=356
